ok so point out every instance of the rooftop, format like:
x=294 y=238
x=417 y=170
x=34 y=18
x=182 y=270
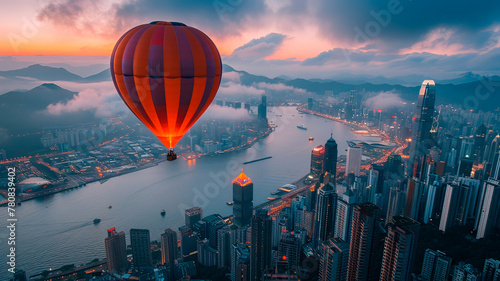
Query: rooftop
x=242 y=179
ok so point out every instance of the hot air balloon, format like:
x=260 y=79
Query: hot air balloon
x=167 y=74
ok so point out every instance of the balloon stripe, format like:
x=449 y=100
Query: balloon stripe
x=129 y=82
x=172 y=86
x=187 y=74
x=156 y=83
x=200 y=71
x=155 y=56
x=128 y=72
x=129 y=51
x=172 y=66
x=210 y=74
x=216 y=55
x=141 y=76
x=215 y=86
x=112 y=59
x=187 y=85
x=119 y=78
x=198 y=55
x=205 y=43
x=140 y=57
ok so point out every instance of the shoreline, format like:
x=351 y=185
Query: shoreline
x=347 y=123
x=154 y=163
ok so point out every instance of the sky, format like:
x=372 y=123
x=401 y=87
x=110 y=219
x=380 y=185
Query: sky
x=296 y=38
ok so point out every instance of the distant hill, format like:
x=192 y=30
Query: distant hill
x=451 y=91
x=25 y=111
x=37 y=98
x=41 y=72
x=445 y=93
x=48 y=73
x=104 y=75
x=467 y=77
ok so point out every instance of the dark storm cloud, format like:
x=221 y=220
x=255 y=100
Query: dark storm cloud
x=218 y=17
x=393 y=24
x=221 y=17
x=402 y=23
x=399 y=36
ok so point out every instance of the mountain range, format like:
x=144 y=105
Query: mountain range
x=25 y=111
x=48 y=73
x=489 y=90
x=452 y=91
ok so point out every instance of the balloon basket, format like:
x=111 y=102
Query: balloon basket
x=171 y=156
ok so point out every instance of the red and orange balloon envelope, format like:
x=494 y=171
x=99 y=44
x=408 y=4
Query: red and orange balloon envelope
x=168 y=74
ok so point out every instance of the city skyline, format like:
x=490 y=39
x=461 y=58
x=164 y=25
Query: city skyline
x=256 y=140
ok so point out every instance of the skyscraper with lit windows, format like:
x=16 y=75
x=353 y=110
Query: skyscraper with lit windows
x=317 y=160
x=422 y=123
x=400 y=247
x=365 y=252
x=353 y=160
x=116 y=251
x=325 y=213
x=169 y=249
x=260 y=251
x=243 y=200
x=331 y=154
x=192 y=216
x=141 y=247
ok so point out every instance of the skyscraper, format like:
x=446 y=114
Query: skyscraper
x=459 y=203
x=243 y=200
x=489 y=211
x=310 y=103
x=262 y=112
x=433 y=201
x=479 y=143
x=116 y=251
x=449 y=206
x=422 y=124
x=207 y=255
x=464 y=272
x=400 y=247
x=192 y=216
x=290 y=247
x=334 y=257
x=317 y=160
x=365 y=252
x=343 y=217
x=260 y=251
x=353 y=160
x=169 y=249
x=491 y=270
x=465 y=167
x=240 y=260
x=141 y=247
x=397 y=199
x=325 y=213
x=188 y=244
x=226 y=238
x=436 y=266
x=491 y=156
x=330 y=162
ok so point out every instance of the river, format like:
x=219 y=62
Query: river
x=58 y=230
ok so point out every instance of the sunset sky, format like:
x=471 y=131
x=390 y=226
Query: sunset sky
x=291 y=37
